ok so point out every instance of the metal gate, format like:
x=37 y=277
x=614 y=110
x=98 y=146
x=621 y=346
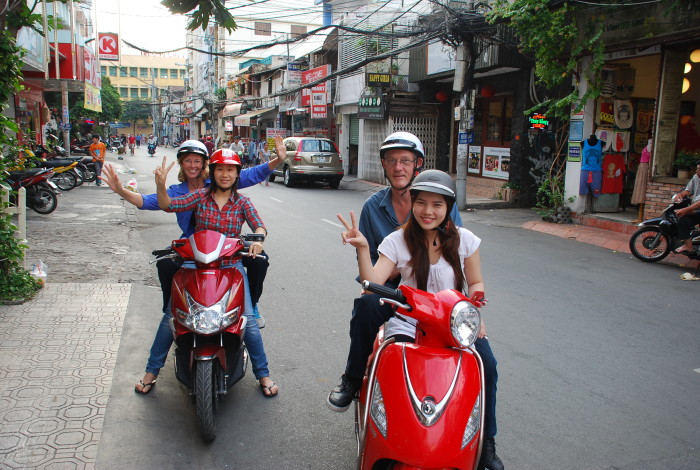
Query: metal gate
x=425 y=128
x=354 y=129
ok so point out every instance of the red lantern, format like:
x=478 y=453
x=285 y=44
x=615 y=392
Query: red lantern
x=442 y=96
x=488 y=91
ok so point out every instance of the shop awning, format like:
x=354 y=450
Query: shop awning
x=244 y=119
x=232 y=109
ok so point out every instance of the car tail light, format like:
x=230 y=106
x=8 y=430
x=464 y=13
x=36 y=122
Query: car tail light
x=297 y=157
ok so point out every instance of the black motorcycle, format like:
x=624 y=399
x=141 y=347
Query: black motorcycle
x=658 y=237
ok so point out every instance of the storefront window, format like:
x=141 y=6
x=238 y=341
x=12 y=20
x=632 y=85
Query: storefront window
x=497 y=122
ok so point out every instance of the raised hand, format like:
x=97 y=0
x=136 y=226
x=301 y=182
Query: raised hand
x=352 y=234
x=161 y=173
x=280 y=148
x=110 y=176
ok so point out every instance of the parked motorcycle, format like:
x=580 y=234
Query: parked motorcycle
x=79 y=147
x=658 y=237
x=421 y=404
x=207 y=304
x=64 y=175
x=41 y=192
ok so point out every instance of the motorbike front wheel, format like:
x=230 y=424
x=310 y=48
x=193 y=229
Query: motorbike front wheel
x=648 y=244
x=89 y=173
x=44 y=201
x=206 y=399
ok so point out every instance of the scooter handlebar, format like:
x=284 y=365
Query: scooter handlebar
x=388 y=292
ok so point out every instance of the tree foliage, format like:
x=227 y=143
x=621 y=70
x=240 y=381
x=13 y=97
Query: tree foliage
x=557 y=38
x=204 y=9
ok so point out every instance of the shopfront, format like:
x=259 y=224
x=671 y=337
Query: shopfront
x=624 y=146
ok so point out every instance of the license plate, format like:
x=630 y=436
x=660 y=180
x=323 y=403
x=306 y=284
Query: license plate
x=52 y=184
x=321 y=160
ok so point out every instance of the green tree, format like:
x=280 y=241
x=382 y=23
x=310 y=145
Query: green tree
x=204 y=10
x=136 y=110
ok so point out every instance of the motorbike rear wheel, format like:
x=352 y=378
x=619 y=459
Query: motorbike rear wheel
x=46 y=201
x=79 y=177
x=206 y=399
x=65 y=181
x=648 y=244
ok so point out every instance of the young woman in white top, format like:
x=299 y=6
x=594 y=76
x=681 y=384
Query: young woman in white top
x=432 y=254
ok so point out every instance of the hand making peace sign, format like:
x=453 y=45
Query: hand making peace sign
x=352 y=233
x=161 y=173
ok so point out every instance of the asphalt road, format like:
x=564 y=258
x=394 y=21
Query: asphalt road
x=599 y=359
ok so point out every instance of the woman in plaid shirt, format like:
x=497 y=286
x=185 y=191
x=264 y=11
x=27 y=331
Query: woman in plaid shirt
x=219 y=207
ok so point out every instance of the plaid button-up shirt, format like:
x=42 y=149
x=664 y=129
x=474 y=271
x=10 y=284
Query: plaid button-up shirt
x=208 y=216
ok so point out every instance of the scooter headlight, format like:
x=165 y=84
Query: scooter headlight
x=465 y=322
x=473 y=423
x=207 y=320
x=377 y=410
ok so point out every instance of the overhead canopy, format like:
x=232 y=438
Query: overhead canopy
x=244 y=119
x=232 y=109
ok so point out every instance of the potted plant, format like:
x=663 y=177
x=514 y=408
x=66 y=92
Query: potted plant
x=685 y=163
x=509 y=191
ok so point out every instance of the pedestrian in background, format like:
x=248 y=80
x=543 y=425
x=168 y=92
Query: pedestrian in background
x=264 y=157
x=97 y=150
x=138 y=141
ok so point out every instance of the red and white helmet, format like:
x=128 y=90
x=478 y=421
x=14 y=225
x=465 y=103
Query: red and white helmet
x=225 y=157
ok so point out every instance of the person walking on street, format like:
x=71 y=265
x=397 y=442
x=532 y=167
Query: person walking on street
x=97 y=151
x=132 y=143
x=402 y=156
x=209 y=145
x=138 y=140
x=264 y=157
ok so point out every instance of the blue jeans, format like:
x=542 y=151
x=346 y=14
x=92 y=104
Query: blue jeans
x=251 y=337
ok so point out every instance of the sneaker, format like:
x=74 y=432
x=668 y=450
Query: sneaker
x=489 y=460
x=258 y=318
x=341 y=396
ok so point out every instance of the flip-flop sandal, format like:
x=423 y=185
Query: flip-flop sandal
x=269 y=389
x=143 y=390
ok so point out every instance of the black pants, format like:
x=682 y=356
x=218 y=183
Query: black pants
x=687 y=224
x=256 y=269
x=368 y=316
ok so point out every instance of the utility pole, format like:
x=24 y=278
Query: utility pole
x=464 y=74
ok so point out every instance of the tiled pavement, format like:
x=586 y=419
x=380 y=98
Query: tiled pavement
x=57 y=354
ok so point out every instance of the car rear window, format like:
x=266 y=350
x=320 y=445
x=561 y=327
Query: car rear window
x=316 y=145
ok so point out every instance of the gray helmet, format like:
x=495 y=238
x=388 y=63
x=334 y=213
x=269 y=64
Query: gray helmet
x=435 y=181
x=192 y=146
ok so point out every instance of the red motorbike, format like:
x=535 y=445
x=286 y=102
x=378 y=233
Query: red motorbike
x=41 y=191
x=421 y=404
x=207 y=303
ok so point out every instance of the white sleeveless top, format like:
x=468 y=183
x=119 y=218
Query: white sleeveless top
x=440 y=276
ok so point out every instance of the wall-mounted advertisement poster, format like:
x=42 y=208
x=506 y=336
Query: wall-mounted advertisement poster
x=474 y=159
x=496 y=162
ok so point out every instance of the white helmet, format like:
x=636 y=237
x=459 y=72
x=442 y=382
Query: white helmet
x=192 y=146
x=402 y=140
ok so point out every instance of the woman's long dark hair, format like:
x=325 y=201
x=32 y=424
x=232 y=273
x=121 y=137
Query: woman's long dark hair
x=417 y=243
x=213 y=186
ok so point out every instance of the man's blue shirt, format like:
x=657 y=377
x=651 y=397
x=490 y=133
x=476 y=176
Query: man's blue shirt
x=378 y=220
x=249 y=177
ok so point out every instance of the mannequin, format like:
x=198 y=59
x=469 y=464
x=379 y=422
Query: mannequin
x=640 y=181
x=591 y=166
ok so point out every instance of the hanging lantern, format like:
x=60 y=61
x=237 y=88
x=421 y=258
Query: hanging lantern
x=687 y=68
x=488 y=91
x=442 y=96
x=686 y=85
x=695 y=56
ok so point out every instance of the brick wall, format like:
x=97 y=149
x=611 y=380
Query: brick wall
x=658 y=197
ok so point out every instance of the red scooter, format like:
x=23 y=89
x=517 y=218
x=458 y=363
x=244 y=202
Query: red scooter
x=41 y=191
x=208 y=324
x=421 y=404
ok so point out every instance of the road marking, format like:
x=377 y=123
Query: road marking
x=332 y=223
x=276 y=200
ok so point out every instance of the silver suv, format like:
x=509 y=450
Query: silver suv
x=310 y=159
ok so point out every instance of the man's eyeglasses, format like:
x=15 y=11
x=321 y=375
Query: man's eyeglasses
x=403 y=162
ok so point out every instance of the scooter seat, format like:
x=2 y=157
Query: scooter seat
x=55 y=163
x=15 y=174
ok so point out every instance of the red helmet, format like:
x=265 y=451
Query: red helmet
x=225 y=157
